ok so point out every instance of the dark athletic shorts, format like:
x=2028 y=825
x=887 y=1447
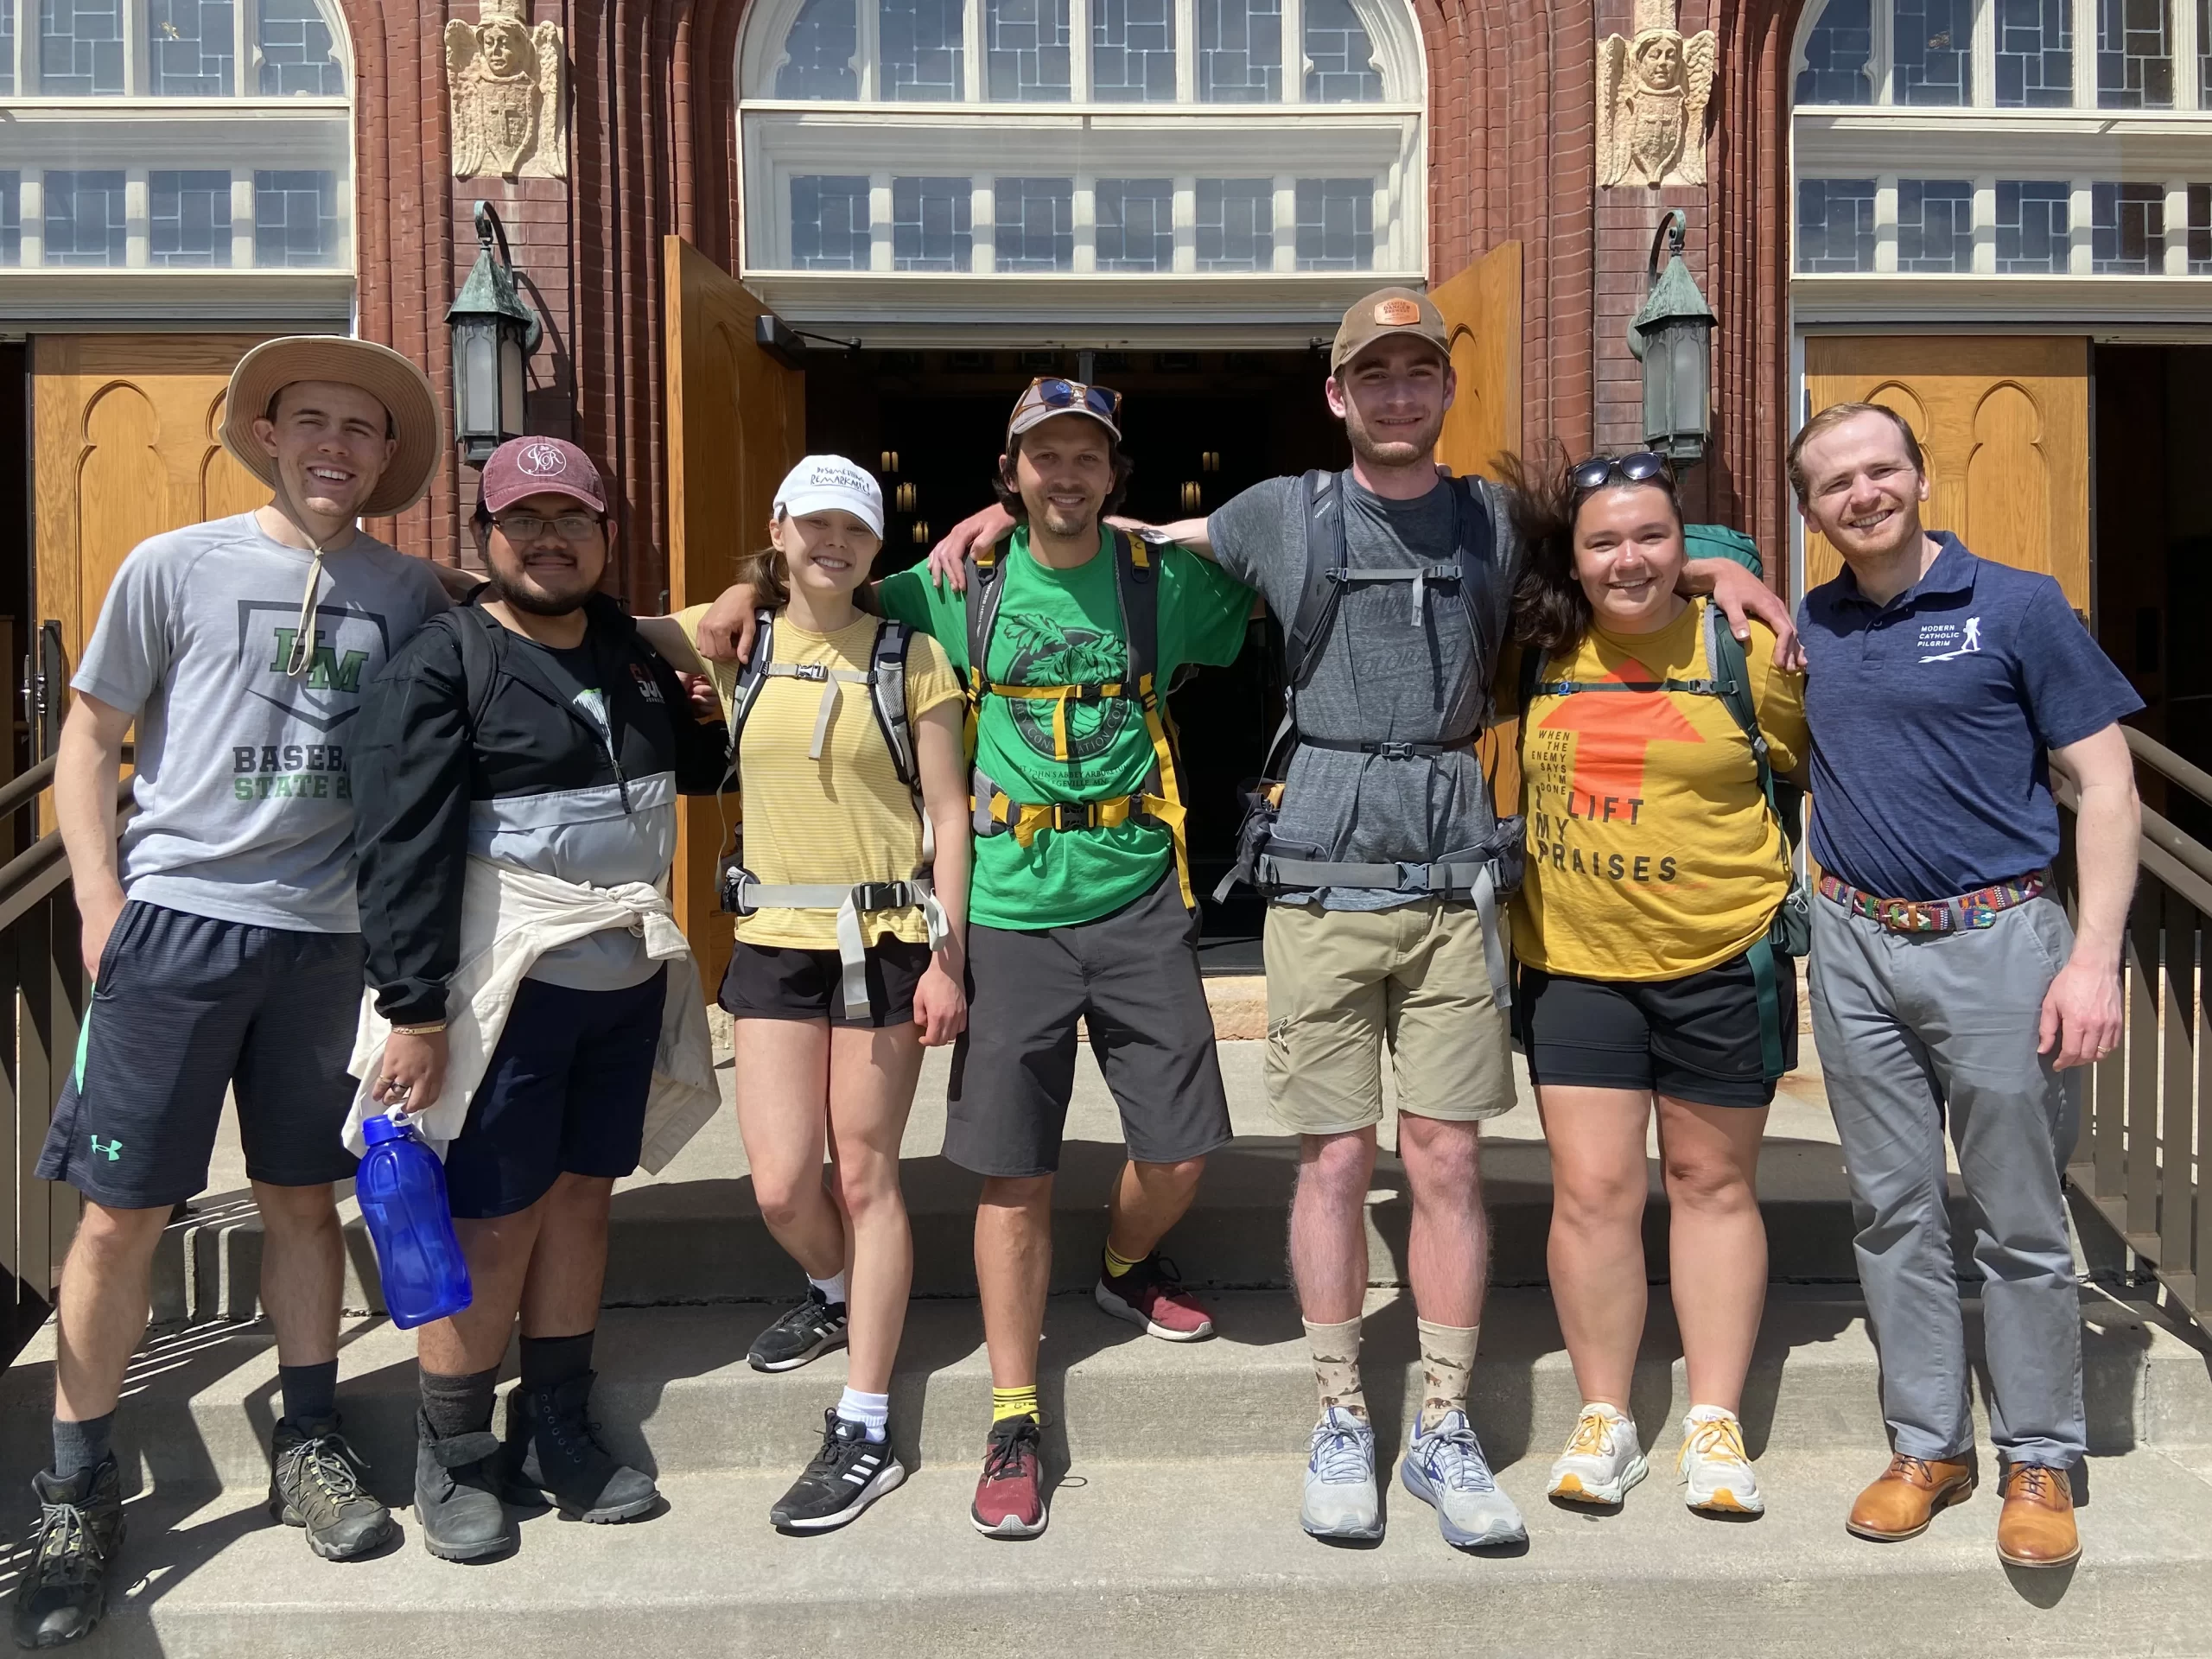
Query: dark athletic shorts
x=564 y=1093
x=1696 y=1039
x=1133 y=978
x=767 y=982
x=187 y=1006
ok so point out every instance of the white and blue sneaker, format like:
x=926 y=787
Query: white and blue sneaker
x=1341 y=1501
x=1446 y=1469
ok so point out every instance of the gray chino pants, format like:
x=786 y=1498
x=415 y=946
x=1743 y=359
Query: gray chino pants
x=1913 y=1029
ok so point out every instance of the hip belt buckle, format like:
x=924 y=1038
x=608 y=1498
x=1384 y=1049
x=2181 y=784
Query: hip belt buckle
x=880 y=895
x=1395 y=751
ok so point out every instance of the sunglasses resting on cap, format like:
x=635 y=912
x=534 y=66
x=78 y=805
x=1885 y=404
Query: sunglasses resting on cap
x=1048 y=395
x=1644 y=466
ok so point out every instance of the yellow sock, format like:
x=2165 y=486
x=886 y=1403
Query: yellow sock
x=1014 y=1402
x=1117 y=1265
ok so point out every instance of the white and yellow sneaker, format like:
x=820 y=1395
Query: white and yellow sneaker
x=1714 y=1465
x=1603 y=1459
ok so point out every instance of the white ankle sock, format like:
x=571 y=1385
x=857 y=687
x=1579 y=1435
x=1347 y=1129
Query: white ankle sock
x=832 y=1288
x=871 y=1411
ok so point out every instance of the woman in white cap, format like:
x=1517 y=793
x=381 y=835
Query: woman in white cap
x=851 y=885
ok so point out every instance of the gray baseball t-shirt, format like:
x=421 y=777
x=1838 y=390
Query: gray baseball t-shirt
x=245 y=813
x=1377 y=677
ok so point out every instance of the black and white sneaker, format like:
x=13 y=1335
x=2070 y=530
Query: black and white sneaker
x=812 y=1329
x=849 y=1473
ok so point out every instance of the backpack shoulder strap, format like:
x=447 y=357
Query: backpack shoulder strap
x=1324 y=589
x=480 y=662
x=1728 y=665
x=1532 y=675
x=986 y=588
x=750 y=679
x=1482 y=582
x=887 y=687
x=1137 y=572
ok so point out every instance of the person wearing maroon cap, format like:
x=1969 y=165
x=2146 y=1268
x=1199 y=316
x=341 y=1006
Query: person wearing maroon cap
x=517 y=766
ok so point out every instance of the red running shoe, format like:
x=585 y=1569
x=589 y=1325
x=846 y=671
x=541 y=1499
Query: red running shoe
x=1151 y=1296
x=1010 y=1498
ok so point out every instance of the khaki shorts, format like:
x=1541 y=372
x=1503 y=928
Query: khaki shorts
x=1341 y=981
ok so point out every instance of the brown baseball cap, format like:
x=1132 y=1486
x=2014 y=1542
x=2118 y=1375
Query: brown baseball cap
x=1385 y=312
x=393 y=381
x=524 y=466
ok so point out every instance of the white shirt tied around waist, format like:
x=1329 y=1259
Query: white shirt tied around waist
x=508 y=918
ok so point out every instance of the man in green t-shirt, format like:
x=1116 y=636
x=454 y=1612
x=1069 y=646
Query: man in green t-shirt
x=1081 y=912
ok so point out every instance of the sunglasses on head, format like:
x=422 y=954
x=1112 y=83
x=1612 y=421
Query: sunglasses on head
x=1643 y=467
x=1056 y=393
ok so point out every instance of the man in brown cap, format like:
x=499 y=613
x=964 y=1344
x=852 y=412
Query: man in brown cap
x=223 y=937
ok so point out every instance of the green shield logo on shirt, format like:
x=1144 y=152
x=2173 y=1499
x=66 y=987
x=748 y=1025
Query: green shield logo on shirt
x=1045 y=653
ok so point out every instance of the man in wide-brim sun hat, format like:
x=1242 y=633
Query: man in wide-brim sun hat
x=222 y=932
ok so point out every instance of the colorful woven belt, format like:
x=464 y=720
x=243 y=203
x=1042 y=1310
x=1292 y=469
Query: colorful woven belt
x=1971 y=910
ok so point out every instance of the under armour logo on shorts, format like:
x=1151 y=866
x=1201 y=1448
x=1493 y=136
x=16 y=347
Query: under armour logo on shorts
x=112 y=1151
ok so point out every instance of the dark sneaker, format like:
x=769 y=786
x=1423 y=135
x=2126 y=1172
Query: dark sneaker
x=848 y=1474
x=1010 y=1498
x=1150 y=1296
x=553 y=1449
x=812 y=1329
x=457 y=1494
x=316 y=1483
x=63 y=1590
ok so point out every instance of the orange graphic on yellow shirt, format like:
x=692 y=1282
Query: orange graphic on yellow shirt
x=1612 y=732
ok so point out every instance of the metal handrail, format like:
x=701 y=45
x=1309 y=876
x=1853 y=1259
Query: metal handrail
x=2169 y=765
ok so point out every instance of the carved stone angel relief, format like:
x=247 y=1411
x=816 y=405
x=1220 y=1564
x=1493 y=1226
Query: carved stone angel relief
x=506 y=80
x=1652 y=92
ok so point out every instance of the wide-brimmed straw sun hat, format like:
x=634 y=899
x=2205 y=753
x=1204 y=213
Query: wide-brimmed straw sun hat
x=402 y=388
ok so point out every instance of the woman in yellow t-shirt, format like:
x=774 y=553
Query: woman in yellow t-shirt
x=824 y=809
x=1655 y=870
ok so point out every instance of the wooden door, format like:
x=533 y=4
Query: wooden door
x=2004 y=422
x=736 y=424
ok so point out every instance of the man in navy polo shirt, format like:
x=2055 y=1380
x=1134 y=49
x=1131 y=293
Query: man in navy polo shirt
x=1946 y=982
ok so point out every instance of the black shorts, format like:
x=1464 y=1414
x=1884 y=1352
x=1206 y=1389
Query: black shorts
x=1132 y=979
x=1696 y=1039
x=767 y=982
x=564 y=1093
x=187 y=1006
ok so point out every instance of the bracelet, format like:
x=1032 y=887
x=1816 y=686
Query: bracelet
x=429 y=1029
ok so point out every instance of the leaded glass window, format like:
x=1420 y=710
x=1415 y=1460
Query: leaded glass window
x=191 y=48
x=1237 y=224
x=295 y=217
x=1835 y=225
x=1034 y=224
x=2135 y=61
x=1336 y=224
x=921 y=50
x=1026 y=50
x=829 y=223
x=1932 y=51
x=2035 y=54
x=1337 y=47
x=189 y=218
x=80 y=49
x=1240 y=51
x=1839 y=55
x=1935 y=225
x=2034 y=225
x=1136 y=224
x=298 y=51
x=1132 y=51
x=84 y=217
x=932 y=224
x=2200 y=230
x=7 y=49
x=819 y=50
x=11 y=218
x=2127 y=229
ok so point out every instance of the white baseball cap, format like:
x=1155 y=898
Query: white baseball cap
x=826 y=482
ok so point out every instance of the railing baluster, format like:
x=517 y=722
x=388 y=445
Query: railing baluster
x=2141 y=1178
x=2177 y=1093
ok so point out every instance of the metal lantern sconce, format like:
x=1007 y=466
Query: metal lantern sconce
x=1672 y=336
x=494 y=330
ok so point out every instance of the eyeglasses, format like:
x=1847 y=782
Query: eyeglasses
x=1644 y=466
x=1066 y=394
x=528 y=526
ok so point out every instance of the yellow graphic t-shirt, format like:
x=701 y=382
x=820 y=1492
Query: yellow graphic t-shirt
x=1651 y=853
x=845 y=818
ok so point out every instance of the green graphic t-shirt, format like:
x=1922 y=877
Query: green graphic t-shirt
x=1063 y=628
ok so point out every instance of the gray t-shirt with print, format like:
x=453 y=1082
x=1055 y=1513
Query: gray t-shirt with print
x=1378 y=677
x=246 y=812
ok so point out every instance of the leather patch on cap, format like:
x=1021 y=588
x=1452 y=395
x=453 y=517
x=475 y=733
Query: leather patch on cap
x=542 y=461
x=1397 y=313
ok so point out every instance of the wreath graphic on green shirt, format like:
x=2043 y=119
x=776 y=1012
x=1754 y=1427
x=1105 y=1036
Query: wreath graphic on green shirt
x=1045 y=653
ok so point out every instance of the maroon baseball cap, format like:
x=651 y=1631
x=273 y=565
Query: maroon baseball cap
x=527 y=467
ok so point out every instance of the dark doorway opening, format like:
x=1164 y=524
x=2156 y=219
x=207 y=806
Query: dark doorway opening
x=1200 y=426
x=2153 y=430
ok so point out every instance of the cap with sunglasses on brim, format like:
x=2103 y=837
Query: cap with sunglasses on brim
x=831 y=483
x=522 y=467
x=1049 y=396
x=1386 y=312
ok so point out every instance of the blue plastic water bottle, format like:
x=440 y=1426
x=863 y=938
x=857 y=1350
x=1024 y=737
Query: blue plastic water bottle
x=402 y=1187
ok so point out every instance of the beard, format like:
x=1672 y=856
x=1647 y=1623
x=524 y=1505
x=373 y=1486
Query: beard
x=1392 y=451
x=510 y=591
x=1067 y=526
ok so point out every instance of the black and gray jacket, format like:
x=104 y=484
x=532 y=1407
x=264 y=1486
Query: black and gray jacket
x=470 y=743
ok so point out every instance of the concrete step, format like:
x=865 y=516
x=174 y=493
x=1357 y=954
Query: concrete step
x=1203 y=1556
x=676 y=1396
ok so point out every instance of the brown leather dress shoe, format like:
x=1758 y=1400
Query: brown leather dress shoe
x=2036 y=1527
x=1902 y=1503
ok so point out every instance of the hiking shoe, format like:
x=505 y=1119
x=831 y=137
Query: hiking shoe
x=553 y=1450
x=1603 y=1459
x=1150 y=1296
x=1010 y=1498
x=1341 y=1501
x=812 y=1329
x=1446 y=1469
x=316 y=1483
x=848 y=1474
x=1715 y=1467
x=457 y=1494
x=63 y=1590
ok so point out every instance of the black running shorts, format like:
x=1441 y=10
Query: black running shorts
x=765 y=981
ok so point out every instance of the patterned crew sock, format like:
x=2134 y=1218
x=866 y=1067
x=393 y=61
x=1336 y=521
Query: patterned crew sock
x=1447 y=1361
x=1015 y=1402
x=1116 y=1264
x=1336 y=1366
x=871 y=1411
